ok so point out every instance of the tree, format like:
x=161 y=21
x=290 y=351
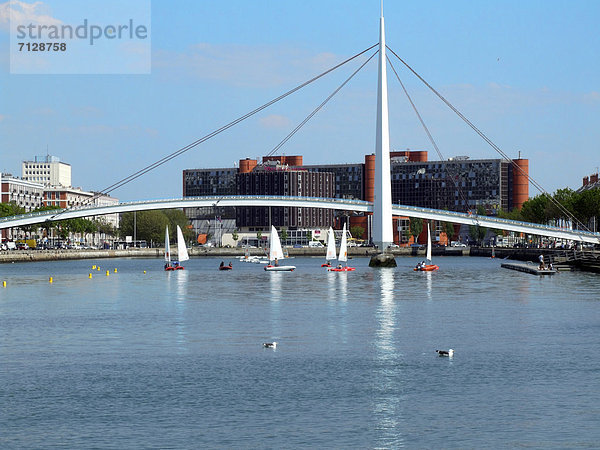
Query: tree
x=587 y=206
x=357 y=231
x=476 y=232
x=416 y=227
x=284 y=234
x=11 y=209
x=149 y=225
x=565 y=198
x=235 y=236
x=534 y=210
x=448 y=228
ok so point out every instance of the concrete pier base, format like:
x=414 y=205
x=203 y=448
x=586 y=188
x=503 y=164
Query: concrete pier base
x=382 y=260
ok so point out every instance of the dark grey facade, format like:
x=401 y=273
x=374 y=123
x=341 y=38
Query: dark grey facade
x=286 y=183
x=349 y=179
x=457 y=185
x=209 y=182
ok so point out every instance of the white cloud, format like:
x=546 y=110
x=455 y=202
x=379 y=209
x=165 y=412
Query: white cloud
x=37 y=13
x=244 y=65
x=592 y=97
x=274 y=121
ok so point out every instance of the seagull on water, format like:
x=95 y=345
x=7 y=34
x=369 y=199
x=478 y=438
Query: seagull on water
x=270 y=344
x=449 y=353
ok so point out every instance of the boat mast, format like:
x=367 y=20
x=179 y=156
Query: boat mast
x=383 y=234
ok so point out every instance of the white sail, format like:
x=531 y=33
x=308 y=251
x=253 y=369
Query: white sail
x=275 y=251
x=428 y=244
x=343 y=247
x=182 y=253
x=330 y=256
x=167 y=246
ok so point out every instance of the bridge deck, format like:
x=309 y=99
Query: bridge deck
x=304 y=202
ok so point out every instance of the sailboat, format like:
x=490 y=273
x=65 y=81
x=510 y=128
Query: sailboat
x=428 y=266
x=276 y=254
x=182 y=252
x=343 y=256
x=330 y=255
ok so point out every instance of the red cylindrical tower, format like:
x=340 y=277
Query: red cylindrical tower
x=520 y=182
x=418 y=156
x=369 y=178
x=247 y=165
x=295 y=161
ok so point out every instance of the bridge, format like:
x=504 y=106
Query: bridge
x=382 y=208
x=301 y=202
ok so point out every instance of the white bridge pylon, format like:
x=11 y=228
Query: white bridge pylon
x=301 y=202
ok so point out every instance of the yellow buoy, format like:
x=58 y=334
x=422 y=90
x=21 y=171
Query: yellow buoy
x=94 y=267
x=4 y=284
x=107 y=273
x=50 y=280
x=98 y=268
x=90 y=276
x=115 y=270
x=144 y=271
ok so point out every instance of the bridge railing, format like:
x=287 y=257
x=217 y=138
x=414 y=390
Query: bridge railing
x=93 y=210
x=493 y=219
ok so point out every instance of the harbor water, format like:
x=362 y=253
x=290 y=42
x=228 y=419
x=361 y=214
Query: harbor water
x=154 y=359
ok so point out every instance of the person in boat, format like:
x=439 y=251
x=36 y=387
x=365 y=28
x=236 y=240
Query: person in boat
x=176 y=264
x=167 y=265
x=542 y=267
x=230 y=264
x=222 y=264
x=339 y=266
x=550 y=266
x=276 y=262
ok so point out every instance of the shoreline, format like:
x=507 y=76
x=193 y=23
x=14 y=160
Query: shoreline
x=590 y=263
x=13 y=256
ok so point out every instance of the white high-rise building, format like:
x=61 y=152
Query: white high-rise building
x=47 y=170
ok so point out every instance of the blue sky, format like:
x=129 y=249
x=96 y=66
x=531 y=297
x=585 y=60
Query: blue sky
x=525 y=72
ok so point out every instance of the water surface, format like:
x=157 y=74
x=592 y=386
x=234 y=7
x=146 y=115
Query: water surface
x=175 y=360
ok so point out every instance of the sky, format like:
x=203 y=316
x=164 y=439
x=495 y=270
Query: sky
x=526 y=73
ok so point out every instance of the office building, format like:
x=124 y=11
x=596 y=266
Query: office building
x=47 y=170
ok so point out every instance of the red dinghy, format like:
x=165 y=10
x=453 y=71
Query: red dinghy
x=341 y=269
x=426 y=268
x=224 y=267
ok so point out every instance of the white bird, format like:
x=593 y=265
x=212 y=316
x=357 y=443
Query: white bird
x=449 y=353
x=270 y=344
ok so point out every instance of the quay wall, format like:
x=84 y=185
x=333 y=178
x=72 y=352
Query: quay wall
x=13 y=256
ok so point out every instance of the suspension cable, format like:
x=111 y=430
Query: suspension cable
x=318 y=108
x=307 y=118
x=439 y=153
x=494 y=146
x=188 y=147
